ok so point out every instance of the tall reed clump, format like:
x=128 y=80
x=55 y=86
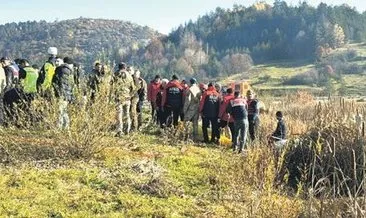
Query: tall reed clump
x=329 y=160
x=90 y=124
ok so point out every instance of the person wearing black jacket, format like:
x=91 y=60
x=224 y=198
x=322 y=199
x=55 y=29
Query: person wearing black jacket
x=63 y=83
x=280 y=132
x=172 y=100
x=209 y=110
x=253 y=114
x=238 y=110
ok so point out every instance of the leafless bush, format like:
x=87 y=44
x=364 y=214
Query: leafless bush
x=90 y=123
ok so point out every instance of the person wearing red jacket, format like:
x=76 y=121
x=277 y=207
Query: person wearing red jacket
x=172 y=101
x=209 y=110
x=225 y=119
x=159 y=99
x=185 y=89
x=152 y=91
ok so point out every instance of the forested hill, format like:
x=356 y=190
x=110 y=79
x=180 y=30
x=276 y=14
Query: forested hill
x=226 y=41
x=84 y=39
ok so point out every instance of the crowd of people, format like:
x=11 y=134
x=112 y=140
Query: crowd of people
x=219 y=108
x=171 y=101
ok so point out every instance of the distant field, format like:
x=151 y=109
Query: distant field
x=269 y=77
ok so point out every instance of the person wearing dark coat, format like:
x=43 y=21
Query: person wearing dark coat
x=253 y=114
x=209 y=110
x=238 y=110
x=280 y=132
x=63 y=83
x=173 y=100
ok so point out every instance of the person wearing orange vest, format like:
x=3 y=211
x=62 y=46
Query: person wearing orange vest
x=209 y=110
x=238 y=109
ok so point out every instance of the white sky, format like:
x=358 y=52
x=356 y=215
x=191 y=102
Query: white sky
x=162 y=15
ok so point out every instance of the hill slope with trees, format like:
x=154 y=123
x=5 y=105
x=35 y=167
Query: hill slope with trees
x=84 y=39
x=226 y=42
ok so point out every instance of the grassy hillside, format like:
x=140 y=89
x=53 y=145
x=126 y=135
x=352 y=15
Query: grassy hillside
x=269 y=78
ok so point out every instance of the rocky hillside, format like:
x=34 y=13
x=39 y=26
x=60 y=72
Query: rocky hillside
x=84 y=39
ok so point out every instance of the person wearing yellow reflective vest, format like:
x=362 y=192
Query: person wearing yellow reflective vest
x=46 y=74
x=28 y=79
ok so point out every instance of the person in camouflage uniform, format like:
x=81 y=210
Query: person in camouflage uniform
x=191 y=107
x=134 y=98
x=123 y=87
x=141 y=91
x=95 y=79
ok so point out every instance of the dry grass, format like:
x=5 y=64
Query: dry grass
x=85 y=172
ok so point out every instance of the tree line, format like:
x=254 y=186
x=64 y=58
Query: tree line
x=229 y=41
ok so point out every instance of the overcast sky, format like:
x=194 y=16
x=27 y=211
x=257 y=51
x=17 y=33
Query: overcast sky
x=162 y=15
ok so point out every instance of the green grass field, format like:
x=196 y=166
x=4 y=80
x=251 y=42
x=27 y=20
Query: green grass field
x=137 y=176
x=270 y=76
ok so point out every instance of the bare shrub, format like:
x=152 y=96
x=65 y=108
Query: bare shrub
x=90 y=123
x=328 y=159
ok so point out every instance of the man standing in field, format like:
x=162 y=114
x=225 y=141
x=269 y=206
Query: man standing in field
x=28 y=77
x=137 y=99
x=141 y=91
x=238 y=110
x=209 y=109
x=173 y=99
x=95 y=79
x=225 y=119
x=122 y=88
x=152 y=91
x=46 y=74
x=253 y=114
x=2 y=91
x=191 y=107
x=64 y=84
